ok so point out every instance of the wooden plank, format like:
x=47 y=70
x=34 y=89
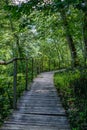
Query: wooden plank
x=23 y=104
x=39 y=109
x=43 y=110
x=42 y=120
x=30 y=127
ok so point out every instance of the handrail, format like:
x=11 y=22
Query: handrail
x=11 y=61
x=3 y=63
x=35 y=63
x=14 y=60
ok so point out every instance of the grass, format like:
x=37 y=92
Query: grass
x=72 y=88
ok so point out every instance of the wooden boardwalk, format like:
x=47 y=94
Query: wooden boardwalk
x=39 y=109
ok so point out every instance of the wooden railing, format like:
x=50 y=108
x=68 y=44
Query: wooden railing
x=14 y=61
x=39 y=63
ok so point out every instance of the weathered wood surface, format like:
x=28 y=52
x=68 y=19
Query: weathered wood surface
x=39 y=109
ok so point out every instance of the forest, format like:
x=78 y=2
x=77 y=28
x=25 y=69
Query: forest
x=44 y=35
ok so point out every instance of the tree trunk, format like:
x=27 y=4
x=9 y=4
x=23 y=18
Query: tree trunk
x=16 y=37
x=58 y=54
x=85 y=33
x=69 y=40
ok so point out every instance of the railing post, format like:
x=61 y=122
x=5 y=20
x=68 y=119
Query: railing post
x=54 y=64
x=49 y=64
x=38 y=66
x=26 y=87
x=42 y=66
x=15 y=85
x=32 y=69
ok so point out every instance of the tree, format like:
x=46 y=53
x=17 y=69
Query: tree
x=69 y=39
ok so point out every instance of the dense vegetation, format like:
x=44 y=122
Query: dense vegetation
x=72 y=88
x=54 y=34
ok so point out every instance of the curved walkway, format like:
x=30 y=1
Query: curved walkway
x=39 y=109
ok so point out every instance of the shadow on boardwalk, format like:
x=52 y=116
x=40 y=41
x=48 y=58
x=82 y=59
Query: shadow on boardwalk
x=39 y=109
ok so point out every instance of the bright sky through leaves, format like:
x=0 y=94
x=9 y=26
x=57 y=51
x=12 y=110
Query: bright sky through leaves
x=19 y=1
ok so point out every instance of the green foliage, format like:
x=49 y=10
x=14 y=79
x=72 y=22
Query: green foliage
x=35 y=29
x=6 y=89
x=28 y=31
x=5 y=97
x=72 y=88
x=6 y=82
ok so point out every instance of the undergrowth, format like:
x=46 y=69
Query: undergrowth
x=6 y=94
x=6 y=87
x=72 y=88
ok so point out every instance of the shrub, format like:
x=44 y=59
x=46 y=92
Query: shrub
x=72 y=88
